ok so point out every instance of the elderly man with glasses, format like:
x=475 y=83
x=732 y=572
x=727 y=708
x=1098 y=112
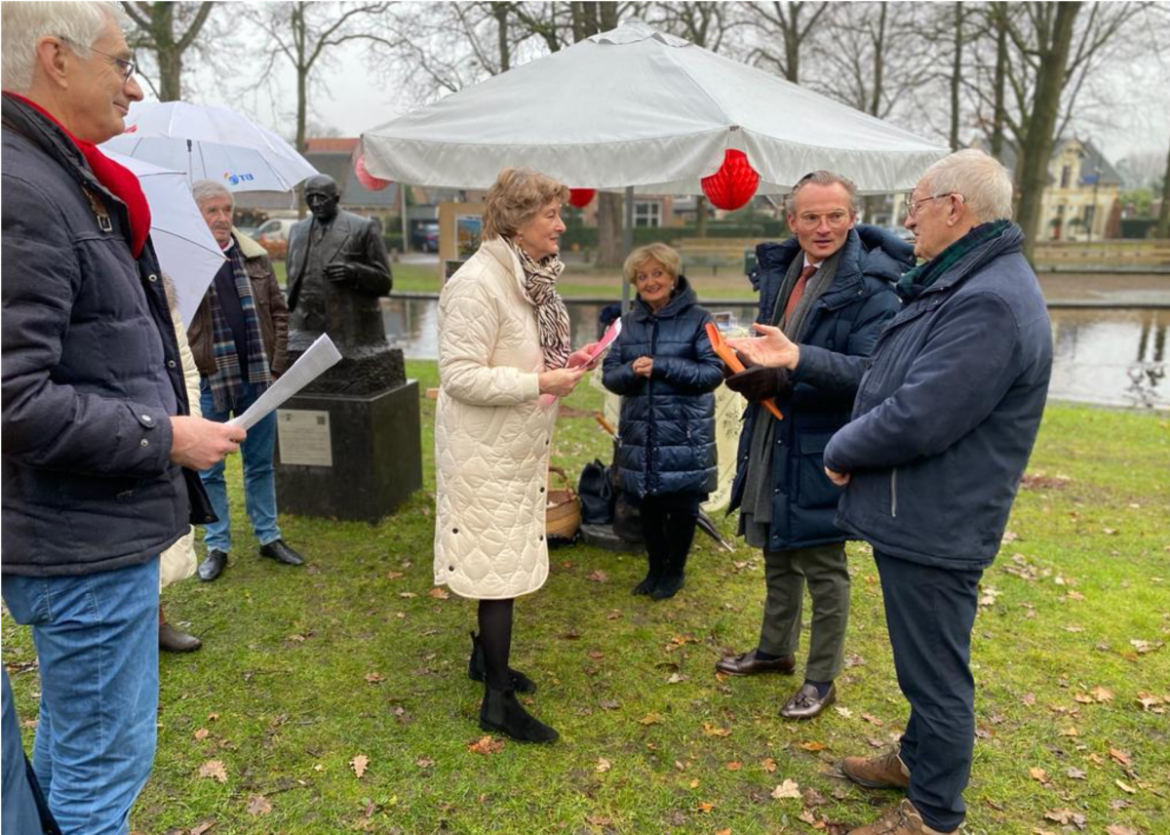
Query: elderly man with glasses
x=100 y=453
x=830 y=287
x=943 y=424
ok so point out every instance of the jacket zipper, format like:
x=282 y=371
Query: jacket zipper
x=894 y=492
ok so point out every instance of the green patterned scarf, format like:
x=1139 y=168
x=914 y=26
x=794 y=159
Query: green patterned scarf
x=911 y=285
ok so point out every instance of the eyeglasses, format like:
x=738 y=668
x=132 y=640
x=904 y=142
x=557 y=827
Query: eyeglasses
x=810 y=220
x=127 y=67
x=912 y=204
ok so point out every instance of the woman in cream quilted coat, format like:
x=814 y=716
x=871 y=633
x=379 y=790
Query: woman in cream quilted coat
x=504 y=358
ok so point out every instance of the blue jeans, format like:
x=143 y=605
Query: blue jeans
x=257 y=450
x=97 y=643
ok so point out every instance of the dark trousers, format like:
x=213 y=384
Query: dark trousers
x=668 y=525
x=930 y=613
x=825 y=570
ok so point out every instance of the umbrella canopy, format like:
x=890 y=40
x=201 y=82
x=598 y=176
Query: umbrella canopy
x=186 y=249
x=211 y=143
x=636 y=107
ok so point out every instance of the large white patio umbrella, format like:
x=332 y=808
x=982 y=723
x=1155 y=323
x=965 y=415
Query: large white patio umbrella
x=186 y=249
x=212 y=143
x=636 y=107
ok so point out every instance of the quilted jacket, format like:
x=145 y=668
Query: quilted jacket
x=668 y=422
x=492 y=433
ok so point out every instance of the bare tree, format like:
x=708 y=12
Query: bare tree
x=1163 y=228
x=167 y=30
x=793 y=23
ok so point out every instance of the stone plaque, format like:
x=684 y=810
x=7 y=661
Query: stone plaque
x=304 y=437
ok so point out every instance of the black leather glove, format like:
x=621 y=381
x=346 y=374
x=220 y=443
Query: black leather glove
x=761 y=383
x=341 y=273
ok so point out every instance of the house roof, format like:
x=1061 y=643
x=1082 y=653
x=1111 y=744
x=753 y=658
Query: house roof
x=1094 y=161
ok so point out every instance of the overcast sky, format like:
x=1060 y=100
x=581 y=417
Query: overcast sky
x=356 y=101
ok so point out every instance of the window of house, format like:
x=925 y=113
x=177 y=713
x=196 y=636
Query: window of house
x=1065 y=176
x=648 y=213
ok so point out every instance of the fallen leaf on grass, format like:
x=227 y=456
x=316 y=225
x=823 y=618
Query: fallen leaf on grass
x=1075 y=774
x=486 y=745
x=1029 y=699
x=706 y=807
x=1118 y=829
x=1144 y=647
x=598 y=576
x=297 y=639
x=202 y=828
x=424 y=762
x=202 y=733
x=1066 y=817
x=394 y=575
x=603 y=765
x=873 y=720
x=407 y=594
x=1125 y=787
x=769 y=765
x=598 y=820
x=1070 y=731
x=375 y=677
x=439 y=593
x=1038 y=774
x=211 y=717
x=734 y=765
x=844 y=711
x=650 y=719
x=813 y=746
x=726 y=831
x=214 y=769
x=359 y=764
x=711 y=730
x=1150 y=702
x=808 y=817
x=786 y=790
x=258 y=805
x=1101 y=694
x=1120 y=757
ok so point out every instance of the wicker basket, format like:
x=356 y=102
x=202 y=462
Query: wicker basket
x=563 y=510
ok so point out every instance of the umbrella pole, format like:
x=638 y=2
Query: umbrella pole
x=190 y=166
x=628 y=240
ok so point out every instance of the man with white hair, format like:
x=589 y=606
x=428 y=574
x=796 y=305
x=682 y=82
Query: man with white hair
x=239 y=337
x=99 y=452
x=943 y=424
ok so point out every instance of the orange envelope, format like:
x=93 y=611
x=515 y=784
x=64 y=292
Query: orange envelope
x=731 y=360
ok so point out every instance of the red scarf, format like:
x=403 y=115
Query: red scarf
x=118 y=180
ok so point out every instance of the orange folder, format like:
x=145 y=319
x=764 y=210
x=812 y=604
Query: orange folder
x=732 y=361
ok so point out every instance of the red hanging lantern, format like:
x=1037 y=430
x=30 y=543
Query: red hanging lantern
x=366 y=178
x=581 y=197
x=734 y=184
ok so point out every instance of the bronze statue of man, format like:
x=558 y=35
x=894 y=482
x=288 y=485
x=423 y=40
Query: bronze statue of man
x=337 y=269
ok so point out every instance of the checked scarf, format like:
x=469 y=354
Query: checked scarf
x=226 y=381
x=552 y=317
x=911 y=285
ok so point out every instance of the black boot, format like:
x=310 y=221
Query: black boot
x=673 y=578
x=501 y=712
x=477 y=669
x=653 y=576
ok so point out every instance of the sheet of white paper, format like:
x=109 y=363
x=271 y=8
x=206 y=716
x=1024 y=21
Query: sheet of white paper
x=321 y=356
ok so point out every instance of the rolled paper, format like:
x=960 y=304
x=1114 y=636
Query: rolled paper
x=726 y=353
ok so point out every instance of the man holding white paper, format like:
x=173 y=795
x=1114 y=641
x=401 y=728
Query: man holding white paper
x=240 y=340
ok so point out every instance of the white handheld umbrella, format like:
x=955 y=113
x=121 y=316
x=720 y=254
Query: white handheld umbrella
x=212 y=143
x=186 y=249
x=636 y=107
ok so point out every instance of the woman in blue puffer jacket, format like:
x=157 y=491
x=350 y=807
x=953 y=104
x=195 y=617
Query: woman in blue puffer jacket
x=664 y=368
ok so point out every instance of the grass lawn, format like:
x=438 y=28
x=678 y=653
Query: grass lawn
x=335 y=697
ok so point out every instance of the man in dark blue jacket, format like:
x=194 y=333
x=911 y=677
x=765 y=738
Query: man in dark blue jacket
x=830 y=286
x=944 y=422
x=99 y=452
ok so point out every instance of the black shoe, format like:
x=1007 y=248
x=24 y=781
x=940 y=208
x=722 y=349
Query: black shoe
x=277 y=550
x=501 y=712
x=652 y=578
x=172 y=640
x=213 y=566
x=672 y=579
x=477 y=669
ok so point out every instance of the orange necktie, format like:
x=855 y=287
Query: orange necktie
x=798 y=291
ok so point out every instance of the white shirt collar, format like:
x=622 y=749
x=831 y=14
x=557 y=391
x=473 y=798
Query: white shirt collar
x=808 y=263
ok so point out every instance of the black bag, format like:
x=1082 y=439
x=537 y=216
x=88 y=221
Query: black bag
x=596 y=494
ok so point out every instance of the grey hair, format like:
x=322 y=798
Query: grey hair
x=204 y=190
x=983 y=182
x=822 y=178
x=81 y=23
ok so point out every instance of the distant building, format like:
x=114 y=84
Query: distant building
x=1083 y=189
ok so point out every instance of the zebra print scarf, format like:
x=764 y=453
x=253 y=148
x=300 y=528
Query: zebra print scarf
x=552 y=317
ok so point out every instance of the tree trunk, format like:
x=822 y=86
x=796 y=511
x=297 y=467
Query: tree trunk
x=956 y=76
x=1001 y=59
x=879 y=62
x=792 y=46
x=609 y=230
x=701 y=216
x=500 y=12
x=1163 y=229
x=1036 y=153
x=170 y=73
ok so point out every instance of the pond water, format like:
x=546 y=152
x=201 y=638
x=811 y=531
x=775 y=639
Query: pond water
x=1116 y=357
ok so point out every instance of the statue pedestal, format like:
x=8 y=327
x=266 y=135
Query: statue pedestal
x=346 y=456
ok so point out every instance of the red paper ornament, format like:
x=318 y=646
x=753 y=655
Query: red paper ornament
x=581 y=197
x=734 y=184
x=366 y=178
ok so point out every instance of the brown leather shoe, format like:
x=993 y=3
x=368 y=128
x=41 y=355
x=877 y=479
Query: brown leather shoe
x=172 y=640
x=884 y=772
x=807 y=704
x=746 y=664
x=903 y=819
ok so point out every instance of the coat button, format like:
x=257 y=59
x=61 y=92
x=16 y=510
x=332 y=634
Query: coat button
x=152 y=277
x=454 y=530
x=144 y=442
x=542 y=538
x=170 y=363
x=541 y=489
x=147 y=419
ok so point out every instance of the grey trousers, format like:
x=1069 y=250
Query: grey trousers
x=786 y=572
